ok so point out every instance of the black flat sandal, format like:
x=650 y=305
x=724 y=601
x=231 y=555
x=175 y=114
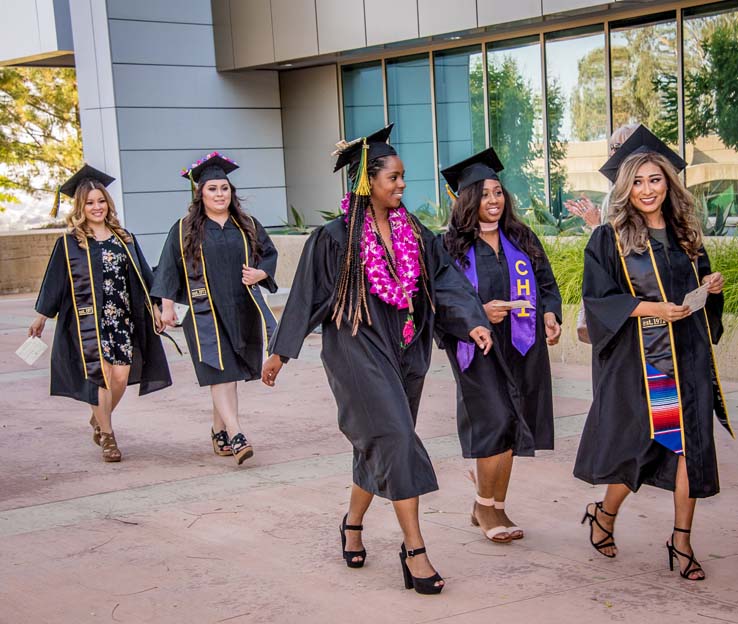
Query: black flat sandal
x=221 y=446
x=607 y=541
x=241 y=448
x=693 y=565
x=349 y=555
x=420 y=585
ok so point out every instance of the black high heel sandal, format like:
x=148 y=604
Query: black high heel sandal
x=607 y=541
x=349 y=555
x=693 y=565
x=421 y=585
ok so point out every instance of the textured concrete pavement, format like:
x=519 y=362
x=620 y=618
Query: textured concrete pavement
x=175 y=534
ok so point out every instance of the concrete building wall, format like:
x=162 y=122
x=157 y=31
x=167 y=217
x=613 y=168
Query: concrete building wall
x=311 y=128
x=302 y=29
x=152 y=102
x=35 y=31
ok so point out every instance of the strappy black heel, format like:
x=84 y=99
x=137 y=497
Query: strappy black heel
x=693 y=565
x=421 y=585
x=241 y=448
x=350 y=555
x=607 y=541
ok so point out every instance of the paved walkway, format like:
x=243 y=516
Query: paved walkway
x=175 y=534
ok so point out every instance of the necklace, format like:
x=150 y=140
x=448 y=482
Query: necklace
x=396 y=282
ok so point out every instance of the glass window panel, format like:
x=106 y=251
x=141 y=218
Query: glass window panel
x=515 y=117
x=363 y=99
x=576 y=100
x=644 y=78
x=409 y=107
x=459 y=83
x=711 y=115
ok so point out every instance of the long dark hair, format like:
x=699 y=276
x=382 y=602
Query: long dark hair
x=193 y=229
x=351 y=292
x=464 y=228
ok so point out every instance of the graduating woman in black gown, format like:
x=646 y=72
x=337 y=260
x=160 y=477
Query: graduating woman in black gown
x=214 y=261
x=505 y=404
x=379 y=282
x=655 y=379
x=97 y=282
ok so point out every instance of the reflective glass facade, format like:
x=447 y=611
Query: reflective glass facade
x=552 y=100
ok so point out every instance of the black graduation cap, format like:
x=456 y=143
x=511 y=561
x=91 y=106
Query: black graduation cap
x=212 y=166
x=69 y=187
x=642 y=140
x=349 y=153
x=484 y=165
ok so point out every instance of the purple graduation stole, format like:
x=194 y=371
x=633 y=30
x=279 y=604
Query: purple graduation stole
x=465 y=350
x=522 y=287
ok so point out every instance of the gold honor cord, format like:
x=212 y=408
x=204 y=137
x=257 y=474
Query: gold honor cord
x=189 y=293
x=265 y=340
x=94 y=312
x=212 y=309
x=714 y=360
x=74 y=305
x=673 y=348
x=640 y=338
x=149 y=305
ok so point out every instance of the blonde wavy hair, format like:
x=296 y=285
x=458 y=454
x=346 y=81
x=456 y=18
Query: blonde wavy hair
x=678 y=208
x=77 y=221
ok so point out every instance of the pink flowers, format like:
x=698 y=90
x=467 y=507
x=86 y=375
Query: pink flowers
x=408 y=331
x=405 y=248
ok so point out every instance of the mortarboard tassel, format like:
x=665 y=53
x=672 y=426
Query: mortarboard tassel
x=452 y=196
x=55 y=206
x=361 y=187
x=192 y=184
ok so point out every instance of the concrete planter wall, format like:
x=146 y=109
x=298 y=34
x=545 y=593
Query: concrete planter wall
x=23 y=258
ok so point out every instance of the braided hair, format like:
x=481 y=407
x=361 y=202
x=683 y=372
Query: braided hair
x=351 y=291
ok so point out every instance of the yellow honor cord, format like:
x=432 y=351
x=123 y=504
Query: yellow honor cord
x=361 y=186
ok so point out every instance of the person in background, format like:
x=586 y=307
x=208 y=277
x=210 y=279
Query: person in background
x=214 y=261
x=97 y=281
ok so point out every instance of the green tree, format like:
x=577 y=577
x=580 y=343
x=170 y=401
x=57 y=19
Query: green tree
x=513 y=111
x=40 y=142
x=557 y=148
x=588 y=99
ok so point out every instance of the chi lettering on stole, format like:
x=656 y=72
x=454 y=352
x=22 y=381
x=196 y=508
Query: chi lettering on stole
x=523 y=285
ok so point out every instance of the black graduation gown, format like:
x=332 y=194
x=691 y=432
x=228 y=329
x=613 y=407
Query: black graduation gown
x=242 y=345
x=494 y=412
x=149 y=367
x=615 y=446
x=376 y=384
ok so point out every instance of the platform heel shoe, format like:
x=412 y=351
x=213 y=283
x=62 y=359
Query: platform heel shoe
x=241 y=448
x=350 y=555
x=421 y=585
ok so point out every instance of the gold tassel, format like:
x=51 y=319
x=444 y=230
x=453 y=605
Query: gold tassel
x=451 y=195
x=361 y=186
x=55 y=206
x=192 y=184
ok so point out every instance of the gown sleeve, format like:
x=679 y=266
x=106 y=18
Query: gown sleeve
x=267 y=259
x=548 y=289
x=146 y=273
x=607 y=305
x=458 y=307
x=715 y=303
x=168 y=277
x=55 y=285
x=311 y=295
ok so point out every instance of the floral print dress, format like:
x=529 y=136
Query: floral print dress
x=116 y=326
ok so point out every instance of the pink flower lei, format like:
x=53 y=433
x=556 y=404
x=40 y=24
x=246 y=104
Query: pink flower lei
x=407 y=266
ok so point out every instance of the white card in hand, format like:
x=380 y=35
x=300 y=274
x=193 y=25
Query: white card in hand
x=31 y=350
x=521 y=304
x=697 y=298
